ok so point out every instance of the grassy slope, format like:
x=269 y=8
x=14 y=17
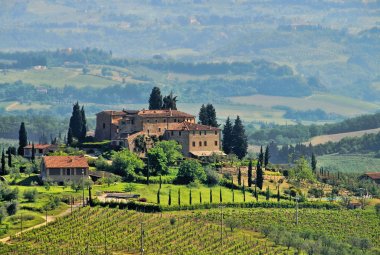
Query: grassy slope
x=349 y=163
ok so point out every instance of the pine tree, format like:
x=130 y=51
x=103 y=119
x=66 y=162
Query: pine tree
x=3 y=163
x=259 y=176
x=69 y=137
x=267 y=194
x=155 y=99
x=313 y=163
x=250 y=173
x=170 y=102
x=179 y=196
x=9 y=157
x=84 y=126
x=33 y=153
x=227 y=137
x=239 y=176
x=76 y=122
x=203 y=118
x=239 y=139
x=266 y=156
x=210 y=196
x=220 y=196
x=170 y=197
x=261 y=156
x=190 y=198
x=158 y=196
x=22 y=139
x=211 y=116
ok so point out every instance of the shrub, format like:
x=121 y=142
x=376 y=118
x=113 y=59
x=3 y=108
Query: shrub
x=30 y=195
x=212 y=177
x=143 y=199
x=377 y=208
x=189 y=171
x=12 y=207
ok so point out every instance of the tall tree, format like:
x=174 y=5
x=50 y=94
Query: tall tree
x=239 y=139
x=76 y=122
x=33 y=153
x=84 y=126
x=261 y=156
x=239 y=176
x=9 y=157
x=203 y=118
x=155 y=99
x=22 y=139
x=170 y=102
x=69 y=137
x=314 y=163
x=211 y=116
x=3 y=163
x=227 y=137
x=259 y=176
x=266 y=156
x=170 y=197
x=250 y=173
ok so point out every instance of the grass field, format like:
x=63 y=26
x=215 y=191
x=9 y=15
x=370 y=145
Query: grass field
x=337 y=137
x=349 y=163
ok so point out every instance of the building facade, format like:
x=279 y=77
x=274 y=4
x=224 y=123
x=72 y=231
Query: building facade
x=39 y=150
x=64 y=168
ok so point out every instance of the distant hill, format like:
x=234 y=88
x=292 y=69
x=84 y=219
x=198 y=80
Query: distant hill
x=338 y=137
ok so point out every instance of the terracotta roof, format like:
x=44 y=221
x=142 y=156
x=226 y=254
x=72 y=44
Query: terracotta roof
x=65 y=162
x=192 y=127
x=38 y=146
x=112 y=112
x=164 y=113
x=373 y=175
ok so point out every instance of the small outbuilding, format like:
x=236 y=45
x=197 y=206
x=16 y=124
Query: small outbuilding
x=374 y=176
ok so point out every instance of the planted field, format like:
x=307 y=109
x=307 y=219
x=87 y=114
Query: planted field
x=349 y=163
x=337 y=137
x=106 y=231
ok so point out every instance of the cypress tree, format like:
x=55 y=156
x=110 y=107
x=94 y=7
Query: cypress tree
x=155 y=99
x=267 y=194
x=170 y=197
x=211 y=116
x=233 y=196
x=261 y=156
x=239 y=176
x=313 y=163
x=259 y=176
x=22 y=139
x=9 y=157
x=33 y=153
x=243 y=191
x=227 y=137
x=256 y=194
x=220 y=196
x=69 y=137
x=179 y=196
x=3 y=163
x=210 y=196
x=239 y=139
x=200 y=197
x=190 y=198
x=76 y=122
x=170 y=102
x=266 y=156
x=158 y=196
x=250 y=173
x=84 y=126
x=278 y=194
x=203 y=118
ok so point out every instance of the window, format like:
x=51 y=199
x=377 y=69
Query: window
x=193 y=144
x=193 y=132
x=172 y=133
x=200 y=144
x=216 y=143
x=104 y=125
x=216 y=132
x=159 y=129
x=68 y=171
x=147 y=121
x=133 y=122
x=79 y=171
x=205 y=132
x=156 y=121
x=53 y=171
x=179 y=133
x=175 y=120
x=165 y=120
x=205 y=143
x=40 y=151
x=200 y=132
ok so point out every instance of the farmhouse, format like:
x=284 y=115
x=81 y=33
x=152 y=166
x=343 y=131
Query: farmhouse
x=374 y=176
x=64 y=168
x=39 y=150
x=123 y=127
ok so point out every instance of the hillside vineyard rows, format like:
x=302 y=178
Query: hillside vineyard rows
x=104 y=231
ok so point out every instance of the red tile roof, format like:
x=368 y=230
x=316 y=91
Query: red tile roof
x=38 y=146
x=373 y=175
x=164 y=113
x=192 y=127
x=65 y=162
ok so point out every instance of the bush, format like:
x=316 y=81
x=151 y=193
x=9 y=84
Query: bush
x=30 y=195
x=12 y=207
x=377 y=208
x=189 y=171
x=52 y=203
x=212 y=177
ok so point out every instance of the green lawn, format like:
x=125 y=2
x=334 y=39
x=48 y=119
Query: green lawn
x=349 y=163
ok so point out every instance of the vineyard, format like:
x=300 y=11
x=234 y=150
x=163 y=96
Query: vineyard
x=113 y=231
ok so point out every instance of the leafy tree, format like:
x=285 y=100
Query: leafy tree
x=12 y=207
x=227 y=137
x=30 y=195
x=313 y=163
x=170 y=102
x=239 y=176
x=3 y=170
x=266 y=156
x=232 y=223
x=76 y=122
x=301 y=171
x=212 y=177
x=158 y=161
x=239 y=139
x=22 y=139
x=69 y=137
x=190 y=170
x=250 y=173
x=155 y=99
x=125 y=163
x=172 y=150
x=259 y=176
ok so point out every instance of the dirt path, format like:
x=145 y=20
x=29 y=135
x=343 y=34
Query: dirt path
x=49 y=219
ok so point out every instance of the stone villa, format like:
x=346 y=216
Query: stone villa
x=123 y=127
